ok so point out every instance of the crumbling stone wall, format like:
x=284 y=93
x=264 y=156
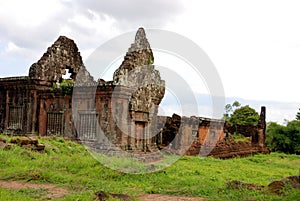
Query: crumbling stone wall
x=62 y=55
x=229 y=148
x=36 y=104
x=169 y=130
x=18 y=95
x=211 y=137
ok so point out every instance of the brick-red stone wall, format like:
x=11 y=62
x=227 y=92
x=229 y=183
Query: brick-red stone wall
x=213 y=137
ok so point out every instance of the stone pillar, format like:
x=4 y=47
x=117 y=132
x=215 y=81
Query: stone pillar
x=42 y=119
x=124 y=123
x=129 y=138
x=7 y=111
x=147 y=135
x=262 y=128
x=152 y=125
x=34 y=112
x=132 y=134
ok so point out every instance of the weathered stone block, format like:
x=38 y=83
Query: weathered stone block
x=23 y=141
x=40 y=147
x=2 y=140
x=27 y=146
x=2 y=145
x=14 y=140
x=33 y=140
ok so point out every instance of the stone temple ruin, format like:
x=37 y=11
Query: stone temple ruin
x=121 y=113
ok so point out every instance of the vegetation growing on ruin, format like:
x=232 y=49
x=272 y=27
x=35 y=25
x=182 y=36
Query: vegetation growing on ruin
x=240 y=138
x=65 y=87
x=68 y=165
x=150 y=61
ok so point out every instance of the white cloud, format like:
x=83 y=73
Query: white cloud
x=11 y=47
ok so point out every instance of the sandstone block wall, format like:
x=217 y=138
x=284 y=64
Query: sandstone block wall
x=210 y=137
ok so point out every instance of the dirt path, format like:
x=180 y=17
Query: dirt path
x=52 y=190
x=155 y=197
x=57 y=192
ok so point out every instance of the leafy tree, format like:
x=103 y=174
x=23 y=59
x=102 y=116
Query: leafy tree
x=236 y=104
x=284 y=138
x=230 y=108
x=276 y=139
x=293 y=133
x=244 y=115
x=298 y=115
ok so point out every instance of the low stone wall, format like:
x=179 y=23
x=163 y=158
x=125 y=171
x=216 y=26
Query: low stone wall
x=230 y=149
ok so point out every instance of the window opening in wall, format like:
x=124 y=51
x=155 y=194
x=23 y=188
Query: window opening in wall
x=87 y=125
x=16 y=117
x=55 y=123
x=67 y=75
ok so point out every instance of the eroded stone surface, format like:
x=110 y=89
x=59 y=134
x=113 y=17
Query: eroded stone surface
x=138 y=73
x=210 y=137
x=139 y=54
x=62 y=55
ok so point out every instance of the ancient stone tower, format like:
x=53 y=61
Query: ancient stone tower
x=126 y=108
x=138 y=81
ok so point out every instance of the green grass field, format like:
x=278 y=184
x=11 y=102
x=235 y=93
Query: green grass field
x=69 y=165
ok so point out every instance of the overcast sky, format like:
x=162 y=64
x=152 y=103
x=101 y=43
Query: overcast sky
x=254 y=45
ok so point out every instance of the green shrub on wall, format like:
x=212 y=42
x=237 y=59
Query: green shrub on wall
x=66 y=86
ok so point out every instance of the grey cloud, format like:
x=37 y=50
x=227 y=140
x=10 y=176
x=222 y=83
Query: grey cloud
x=135 y=12
x=32 y=38
x=128 y=14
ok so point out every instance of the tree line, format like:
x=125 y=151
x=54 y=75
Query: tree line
x=284 y=138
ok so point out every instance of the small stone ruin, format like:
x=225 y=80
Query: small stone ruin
x=30 y=143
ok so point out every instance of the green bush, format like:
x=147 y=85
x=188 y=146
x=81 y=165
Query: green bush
x=66 y=86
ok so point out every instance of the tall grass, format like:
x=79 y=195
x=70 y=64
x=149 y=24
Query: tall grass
x=69 y=165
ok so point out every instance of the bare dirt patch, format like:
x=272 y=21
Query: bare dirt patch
x=52 y=190
x=155 y=197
